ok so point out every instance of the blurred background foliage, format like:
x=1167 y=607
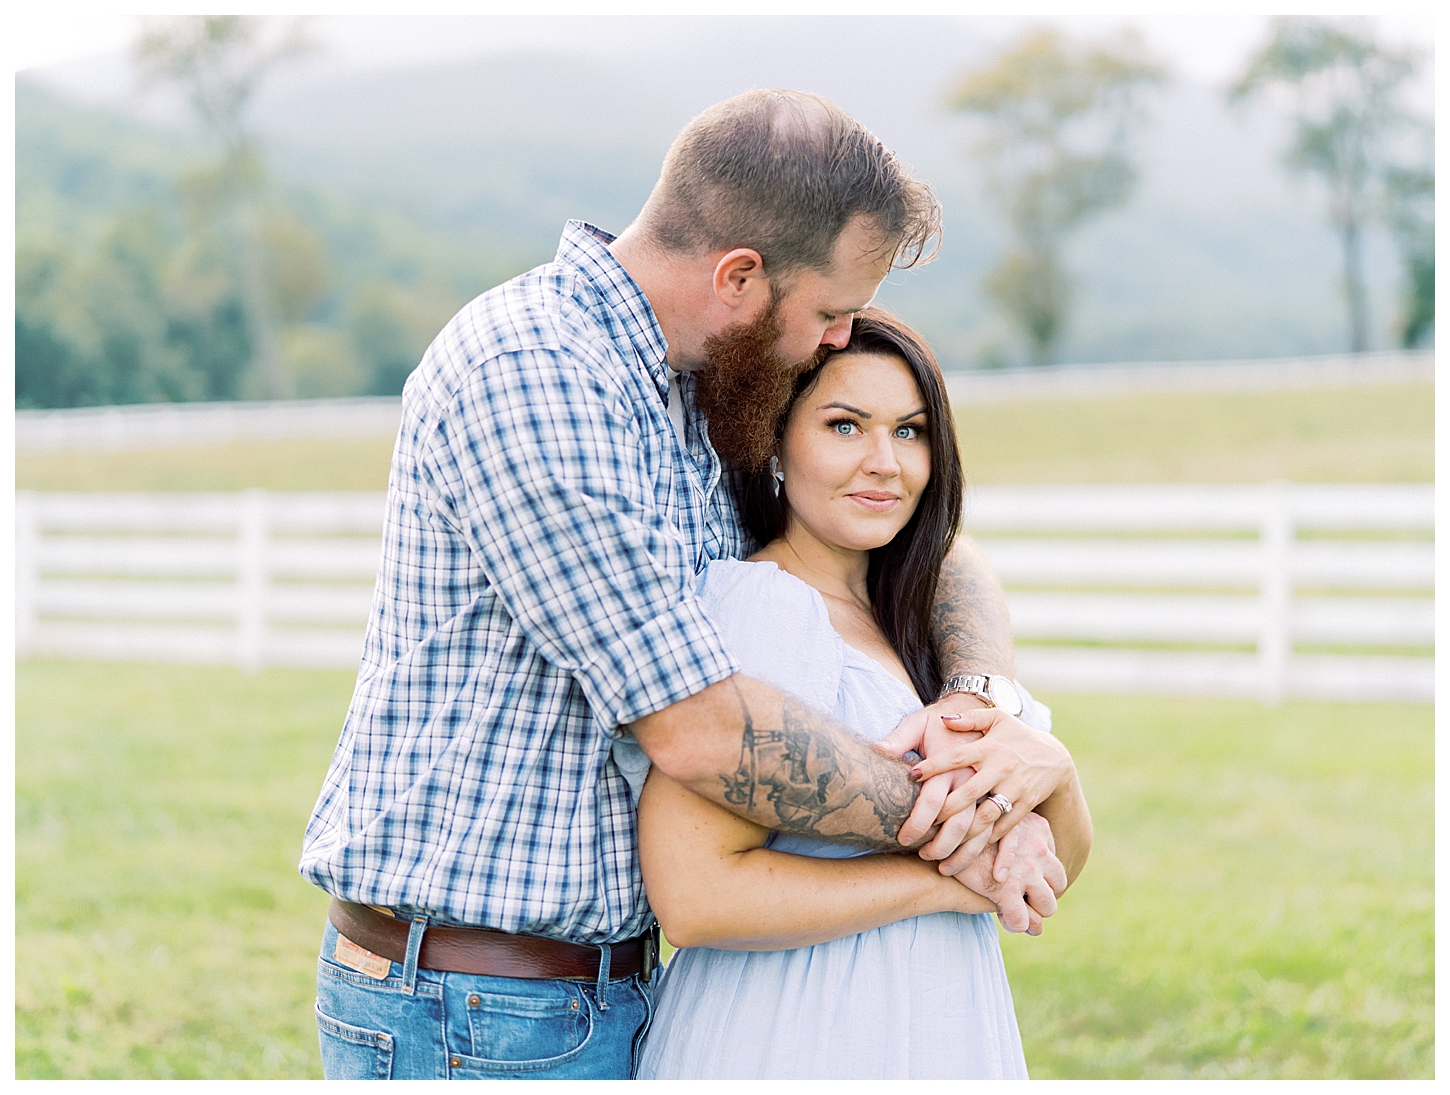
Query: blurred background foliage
x=126 y=291
x=1098 y=208
x=1058 y=117
x=1352 y=131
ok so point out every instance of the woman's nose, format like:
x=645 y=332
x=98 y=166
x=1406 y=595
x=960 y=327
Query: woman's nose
x=881 y=456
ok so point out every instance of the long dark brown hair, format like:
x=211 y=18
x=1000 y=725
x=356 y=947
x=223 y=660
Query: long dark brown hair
x=902 y=576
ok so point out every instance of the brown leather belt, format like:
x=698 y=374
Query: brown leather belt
x=489 y=952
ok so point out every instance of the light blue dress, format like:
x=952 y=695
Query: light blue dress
x=925 y=998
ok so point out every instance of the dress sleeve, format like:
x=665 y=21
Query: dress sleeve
x=540 y=466
x=778 y=632
x=1034 y=713
x=777 y=628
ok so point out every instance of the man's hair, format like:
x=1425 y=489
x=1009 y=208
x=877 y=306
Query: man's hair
x=784 y=172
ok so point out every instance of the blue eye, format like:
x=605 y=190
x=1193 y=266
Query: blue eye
x=907 y=433
x=843 y=427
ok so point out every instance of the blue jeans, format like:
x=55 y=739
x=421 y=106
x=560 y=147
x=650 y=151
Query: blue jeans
x=464 y=1026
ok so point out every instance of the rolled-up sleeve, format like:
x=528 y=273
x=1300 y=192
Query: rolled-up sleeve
x=542 y=467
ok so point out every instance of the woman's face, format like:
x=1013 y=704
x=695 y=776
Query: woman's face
x=855 y=453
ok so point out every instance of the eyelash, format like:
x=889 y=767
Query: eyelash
x=835 y=424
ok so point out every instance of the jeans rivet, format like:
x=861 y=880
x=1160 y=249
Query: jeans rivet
x=473 y=1001
x=574 y=1004
x=454 y=1062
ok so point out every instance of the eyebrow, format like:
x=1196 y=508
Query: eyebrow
x=867 y=414
x=851 y=311
x=845 y=407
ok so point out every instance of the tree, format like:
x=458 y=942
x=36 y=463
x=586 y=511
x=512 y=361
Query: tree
x=1409 y=211
x=1058 y=116
x=92 y=328
x=221 y=61
x=1346 y=86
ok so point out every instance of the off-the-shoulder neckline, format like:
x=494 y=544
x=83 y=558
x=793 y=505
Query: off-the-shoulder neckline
x=821 y=602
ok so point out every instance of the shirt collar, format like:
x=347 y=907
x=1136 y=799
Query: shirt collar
x=586 y=248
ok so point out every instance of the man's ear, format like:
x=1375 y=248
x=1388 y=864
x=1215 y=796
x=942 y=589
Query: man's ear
x=740 y=277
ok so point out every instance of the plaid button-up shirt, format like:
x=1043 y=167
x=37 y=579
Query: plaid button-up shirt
x=545 y=526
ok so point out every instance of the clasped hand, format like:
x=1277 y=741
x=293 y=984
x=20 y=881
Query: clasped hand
x=969 y=754
x=1023 y=878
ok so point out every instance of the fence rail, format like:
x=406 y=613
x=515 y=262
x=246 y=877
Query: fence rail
x=1096 y=577
x=1248 y=375
x=165 y=425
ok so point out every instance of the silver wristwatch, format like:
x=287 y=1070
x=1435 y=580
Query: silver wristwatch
x=996 y=691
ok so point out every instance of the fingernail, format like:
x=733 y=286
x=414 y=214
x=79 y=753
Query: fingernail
x=916 y=773
x=951 y=716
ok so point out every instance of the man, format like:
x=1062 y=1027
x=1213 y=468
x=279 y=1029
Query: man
x=553 y=495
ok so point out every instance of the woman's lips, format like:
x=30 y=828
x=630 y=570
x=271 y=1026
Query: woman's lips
x=877 y=500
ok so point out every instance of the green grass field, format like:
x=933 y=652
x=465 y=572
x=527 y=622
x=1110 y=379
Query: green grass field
x=1258 y=903
x=1379 y=434
x=1384 y=433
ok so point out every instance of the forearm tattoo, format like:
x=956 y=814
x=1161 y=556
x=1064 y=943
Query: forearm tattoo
x=969 y=619
x=805 y=775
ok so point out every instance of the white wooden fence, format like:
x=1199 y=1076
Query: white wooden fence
x=980 y=386
x=250 y=579
x=168 y=425
x=1275 y=568
x=1195 y=590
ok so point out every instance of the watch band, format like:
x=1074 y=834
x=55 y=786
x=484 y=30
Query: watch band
x=973 y=684
x=982 y=685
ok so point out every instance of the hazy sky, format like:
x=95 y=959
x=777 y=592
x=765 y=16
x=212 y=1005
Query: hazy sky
x=1207 y=44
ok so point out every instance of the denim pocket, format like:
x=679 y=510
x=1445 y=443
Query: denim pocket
x=525 y=1033
x=353 y=1053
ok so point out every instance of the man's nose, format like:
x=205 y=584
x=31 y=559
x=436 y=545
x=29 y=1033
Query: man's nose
x=838 y=333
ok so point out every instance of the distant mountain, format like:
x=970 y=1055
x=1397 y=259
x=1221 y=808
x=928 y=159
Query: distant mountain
x=1219 y=255
x=75 y=168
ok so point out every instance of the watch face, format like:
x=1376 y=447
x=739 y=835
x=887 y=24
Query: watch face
x=1003 y=694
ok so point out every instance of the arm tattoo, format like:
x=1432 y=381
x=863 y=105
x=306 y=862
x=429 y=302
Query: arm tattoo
x=811 y=777
x=969 y=619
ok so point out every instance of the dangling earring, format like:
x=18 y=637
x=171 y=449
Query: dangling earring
x=777 y=475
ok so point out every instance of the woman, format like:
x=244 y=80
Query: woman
x=803 y=959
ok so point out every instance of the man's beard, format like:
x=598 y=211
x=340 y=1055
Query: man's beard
x=744 y=387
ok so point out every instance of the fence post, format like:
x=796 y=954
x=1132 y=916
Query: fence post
x=1276 y=592
x=27 y=569
x=252 y=580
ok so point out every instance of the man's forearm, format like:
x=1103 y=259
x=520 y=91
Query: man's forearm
x=766 y=756
x=973 y=630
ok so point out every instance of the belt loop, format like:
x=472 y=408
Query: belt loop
x=410 y=960
x=603 y=982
